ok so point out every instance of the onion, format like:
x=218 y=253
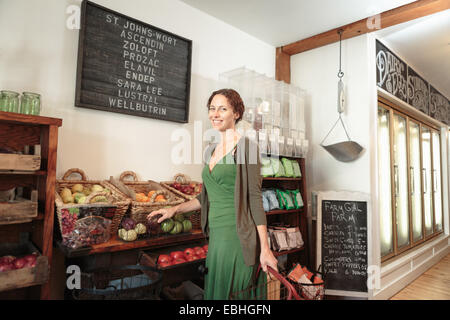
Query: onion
x=30 y=260
x=128 y=224
x=7 y=259
x=6 y=267
x=20 y=263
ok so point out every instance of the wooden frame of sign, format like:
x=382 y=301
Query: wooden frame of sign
x=131 y=67
x=344 y=245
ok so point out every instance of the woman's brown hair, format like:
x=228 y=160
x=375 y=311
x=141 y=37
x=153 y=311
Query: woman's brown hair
x=234 y=99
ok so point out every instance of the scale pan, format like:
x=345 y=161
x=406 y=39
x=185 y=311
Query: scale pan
x=346 y=151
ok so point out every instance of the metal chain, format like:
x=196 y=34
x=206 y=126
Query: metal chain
x=340 y=73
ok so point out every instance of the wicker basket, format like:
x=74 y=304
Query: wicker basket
x=115 y=198
x=140 y=210
x=183 y=180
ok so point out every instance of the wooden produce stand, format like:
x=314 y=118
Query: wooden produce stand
x=16 y=132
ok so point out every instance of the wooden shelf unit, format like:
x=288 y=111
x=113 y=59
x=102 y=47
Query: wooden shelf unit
x=16 y=132
x=295 y=217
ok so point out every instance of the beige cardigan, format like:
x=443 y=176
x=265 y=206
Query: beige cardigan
x=247 y=200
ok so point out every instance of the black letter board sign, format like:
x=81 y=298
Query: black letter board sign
x=402 y=81
x=343 y=243
x=127 y=66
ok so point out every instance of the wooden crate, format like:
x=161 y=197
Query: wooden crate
x=20 y=210
x=24 y=277
x=21 y=162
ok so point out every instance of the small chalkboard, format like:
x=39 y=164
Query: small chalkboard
x=128 y=66
x=342 y=248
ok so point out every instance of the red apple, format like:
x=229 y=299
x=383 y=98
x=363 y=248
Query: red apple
x=205 y=248
x=177 y=255
x=164 y=258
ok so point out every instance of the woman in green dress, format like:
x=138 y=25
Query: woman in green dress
x=231 y=206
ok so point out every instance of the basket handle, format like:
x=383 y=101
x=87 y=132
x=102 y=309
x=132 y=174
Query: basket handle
x=287 y=284
x=126 y=174
x=75 y=170
x=155 y=194
x=181 y=178
x=94 y=194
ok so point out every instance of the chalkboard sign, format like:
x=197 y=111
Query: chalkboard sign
x=130 y=67
x=418 y=92
x=439 y=106
x=343 y=245
x=400 y=80
x=391 y=72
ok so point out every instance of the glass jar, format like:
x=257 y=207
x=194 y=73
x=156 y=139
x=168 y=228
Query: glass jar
x=31 y=103
x=9 y=101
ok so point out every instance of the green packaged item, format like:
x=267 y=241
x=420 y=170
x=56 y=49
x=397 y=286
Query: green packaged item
x=281 y=200
x=278 y=168
x=297 y=171
x=266 y=168
x=288 y=169
x=289 y=203
x=297 y=197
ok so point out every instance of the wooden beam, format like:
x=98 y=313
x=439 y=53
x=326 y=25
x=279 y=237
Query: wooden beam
x=411 y=11
x=283 y=66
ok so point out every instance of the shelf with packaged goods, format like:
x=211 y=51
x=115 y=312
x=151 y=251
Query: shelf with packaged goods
x=281 y=179
x=282 y=253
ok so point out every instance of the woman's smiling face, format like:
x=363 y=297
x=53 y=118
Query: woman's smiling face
x=221 y=113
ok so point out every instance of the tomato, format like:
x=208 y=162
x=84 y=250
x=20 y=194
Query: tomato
x=198 y=250
x=189 y=252
x=202 y=255
x=205 y=248
x=178 y=261
x=164 y=264
x=177 y=255
x=164 y=258
x=191 y=257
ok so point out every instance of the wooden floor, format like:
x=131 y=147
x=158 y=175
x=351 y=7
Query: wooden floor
x=434 y=284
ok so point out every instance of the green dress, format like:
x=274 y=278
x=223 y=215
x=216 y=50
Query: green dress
x=228 y=276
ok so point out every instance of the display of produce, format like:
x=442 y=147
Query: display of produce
x=10 y=262
x=89 y=230
x=130 y=230
x=183 y=186
x=189 y=189
x=79 y=194
x=178 y=256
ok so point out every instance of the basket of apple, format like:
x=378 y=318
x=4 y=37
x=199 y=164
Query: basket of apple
x=183 y=186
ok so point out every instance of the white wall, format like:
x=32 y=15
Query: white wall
x=39 y=54
x=316 y=72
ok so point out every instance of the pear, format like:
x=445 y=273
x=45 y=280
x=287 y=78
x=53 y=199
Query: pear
x=77 y=188
x=65 y=192
x=67 y=198
x=97 y=188
x=86 y=191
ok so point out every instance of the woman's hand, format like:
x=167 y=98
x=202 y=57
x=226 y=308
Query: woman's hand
x=268 y=259
x=165 y=213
